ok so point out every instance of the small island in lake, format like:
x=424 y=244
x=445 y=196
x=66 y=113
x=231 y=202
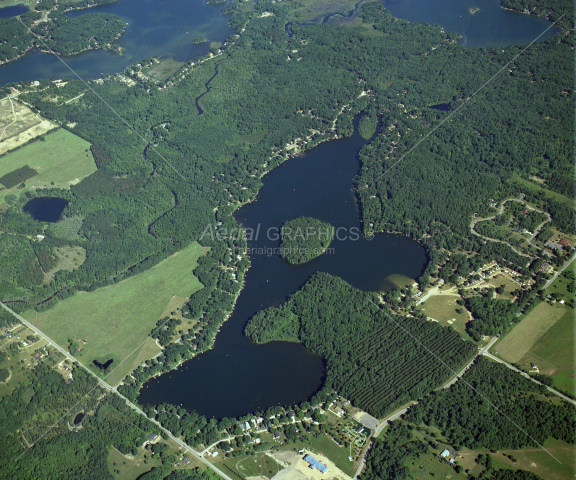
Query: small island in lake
x=304 y=239
x=200 y=40
x=473 y=10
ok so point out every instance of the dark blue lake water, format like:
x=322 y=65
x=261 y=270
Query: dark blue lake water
x=8 y=12
x=46 y=209
x=490 y=26
x=238 y=376
x=155 y=28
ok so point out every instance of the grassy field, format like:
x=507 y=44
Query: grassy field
x=313 y=9
x=535 y=460
x=519 y=341
x=61 y=158
x=554 y=353
x=260 y=465
x=508 y=284
x=443 y=309
x=161 y=71
x=428 y=466
x=569 y=202
x=116 y=320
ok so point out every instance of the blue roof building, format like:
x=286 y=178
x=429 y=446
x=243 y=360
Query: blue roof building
x=315 y=464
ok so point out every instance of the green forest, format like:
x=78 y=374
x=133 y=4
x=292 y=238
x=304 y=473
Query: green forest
x=304 y=239
x=369 y=355
x=487 y=407
x=61 y=34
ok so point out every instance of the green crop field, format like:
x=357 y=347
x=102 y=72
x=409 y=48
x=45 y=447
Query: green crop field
x=556 y=349
x=516 y=343
x=62 y=158
x=117 y=319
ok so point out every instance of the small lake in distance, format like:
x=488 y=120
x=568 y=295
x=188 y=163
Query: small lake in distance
x=9 y=12
x=490 y=26
x=46 y=209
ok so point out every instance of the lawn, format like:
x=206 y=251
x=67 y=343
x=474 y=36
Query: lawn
x=443 y=309
x=259 y=465
x=556 y=349
x=62 y=158
x=116 y=320
x=69 y=258
x=525 y=334
x=428 y=466
x=502 y=280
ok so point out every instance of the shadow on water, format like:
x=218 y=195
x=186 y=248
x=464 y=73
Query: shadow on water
x=237 y=376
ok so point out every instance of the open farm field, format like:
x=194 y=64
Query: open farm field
x=116 y=320
x=442 y=308
x=516 y=343
x=553 y=352
x=19 y=124
x=61 y=159
x=535 y=460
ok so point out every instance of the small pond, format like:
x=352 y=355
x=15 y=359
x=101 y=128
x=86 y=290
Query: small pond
x=78 y=418
x=46 y=209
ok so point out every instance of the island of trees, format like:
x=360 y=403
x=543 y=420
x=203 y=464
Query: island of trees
x=304 y=239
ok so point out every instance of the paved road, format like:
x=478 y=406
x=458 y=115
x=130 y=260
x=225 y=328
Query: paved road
x=500 y=210
x=480 y=352
x=556 y=392
x=570 y=260
x=109 y=388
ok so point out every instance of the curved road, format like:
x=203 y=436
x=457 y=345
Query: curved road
x=500 y=211
x=109 y=388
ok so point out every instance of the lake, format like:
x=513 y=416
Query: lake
x=490 y=26
x=12 y=11
x=46 y=209
x=166 y=28
x=238 y=376
x=157 y=28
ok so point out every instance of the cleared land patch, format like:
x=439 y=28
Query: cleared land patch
x=19 y=124
x=553 y=352
x=61 y=160
x=515 y=345
x=69 y=258
x=117 y=319
x=442 y=308
x=162 y=70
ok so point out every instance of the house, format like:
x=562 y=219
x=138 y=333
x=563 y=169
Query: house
x=345 y=403
x=276 y=435
x=533 y=365
x=186 y=461
x=214 y=454
x=338 y=411
x=564 y=242
x=445 y=453
x=545 y=267
x=359 y=429
x=247 y=426
x=152 y=437
x=315 y=464
x=451 y=461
